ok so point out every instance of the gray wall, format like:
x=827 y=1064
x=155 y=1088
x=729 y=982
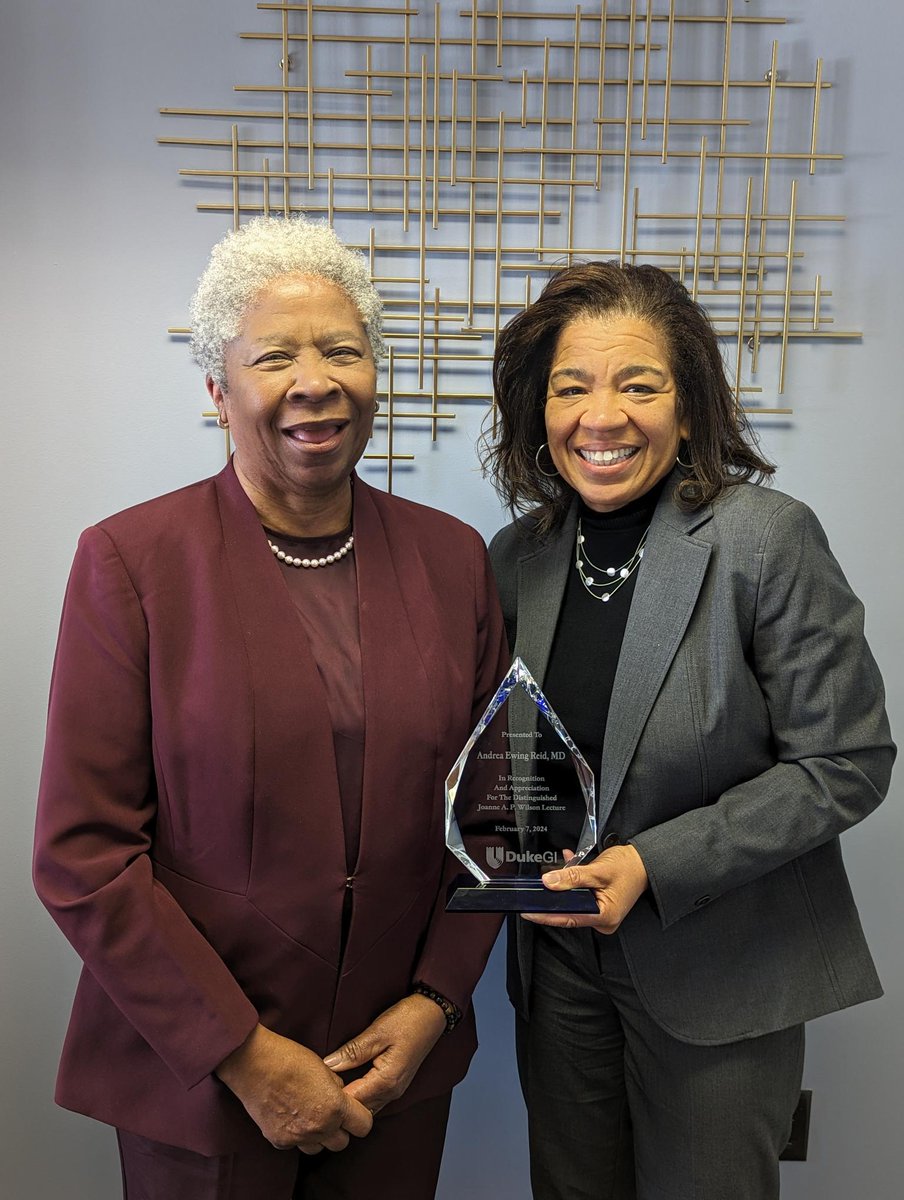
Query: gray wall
x=99 y=409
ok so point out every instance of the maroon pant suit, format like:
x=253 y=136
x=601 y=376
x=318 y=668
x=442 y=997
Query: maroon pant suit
x=189 y=832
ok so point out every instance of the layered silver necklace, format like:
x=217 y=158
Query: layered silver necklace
x=603 y=582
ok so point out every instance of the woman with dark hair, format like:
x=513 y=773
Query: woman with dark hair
x=701 y=645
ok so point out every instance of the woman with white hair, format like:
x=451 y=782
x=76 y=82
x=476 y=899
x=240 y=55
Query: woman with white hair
x=260 y=683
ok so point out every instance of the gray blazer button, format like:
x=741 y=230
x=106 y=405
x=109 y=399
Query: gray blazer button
x=611 y=839
x=701 y=901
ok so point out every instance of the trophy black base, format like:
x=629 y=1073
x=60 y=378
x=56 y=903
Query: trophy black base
x=468 y=894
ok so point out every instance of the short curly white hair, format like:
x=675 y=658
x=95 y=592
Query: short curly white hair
x=267 y=248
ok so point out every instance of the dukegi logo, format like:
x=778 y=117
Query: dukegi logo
x=498 y=857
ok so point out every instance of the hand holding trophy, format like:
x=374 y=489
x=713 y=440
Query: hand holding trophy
x=503 y=821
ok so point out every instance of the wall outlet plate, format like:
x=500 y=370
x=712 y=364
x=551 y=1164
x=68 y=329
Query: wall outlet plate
x=796 y=1149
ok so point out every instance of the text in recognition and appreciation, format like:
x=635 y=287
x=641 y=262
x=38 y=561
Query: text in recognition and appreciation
x=504 y=823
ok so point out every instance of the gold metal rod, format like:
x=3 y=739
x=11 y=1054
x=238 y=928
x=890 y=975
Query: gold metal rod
x=389 y=40
x=730 y=216
x=834 y=335
x=406 y=191
x=500 y=204
x=368 y=132
x=498 y=33
x=792 y=209
x=473 y=111
x=523 y=150
x=598 y=251
x=525 y=43
x=330 y=209
x=685 y=19
x=575 y=84
x=764 y=201
x=629 y=97
x=544 y=113
x=276 y=114
x=363 y=10
x=309 y=48
x=422 y=224
x=816 y=298
x=723 y=135
x=236 y=199
x=384 y=457
x=667 y=102
x=575 y=110
x=434 y=374
x=437 y=21
x=817 y=93
x=266 y=187
x=479 y=331
x=646 y=73
x=433 y=415
x=698 y=225
x=452 y=358
x=476 y=78
x=385 y=118
x=524 y=98
x=284 y=68
x=294 y=89
x=555 y=81
x=600 y=94
x=472 y=256
x=390 y=210
x=634 y=208
x=742 y=298
x=390 y=415
x=776 y=320
x=453 y=137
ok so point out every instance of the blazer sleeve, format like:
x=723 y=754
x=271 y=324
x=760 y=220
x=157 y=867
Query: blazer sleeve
x=832 y=743
x=95 y=824
x=457 y=947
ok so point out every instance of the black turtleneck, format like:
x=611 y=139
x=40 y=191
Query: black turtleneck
x=587 y=644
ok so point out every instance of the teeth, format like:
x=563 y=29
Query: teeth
x=600 y=457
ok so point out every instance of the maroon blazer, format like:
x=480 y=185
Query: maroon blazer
x=189 y=832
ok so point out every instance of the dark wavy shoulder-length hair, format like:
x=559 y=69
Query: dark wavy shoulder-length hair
x=720 y=448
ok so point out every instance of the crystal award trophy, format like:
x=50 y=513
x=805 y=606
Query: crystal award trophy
x=504 y=821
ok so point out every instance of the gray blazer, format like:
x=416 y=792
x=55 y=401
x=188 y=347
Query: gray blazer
x=746 y=731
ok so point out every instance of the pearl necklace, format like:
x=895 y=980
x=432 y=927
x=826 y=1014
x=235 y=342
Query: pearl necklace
x=307 y=563
x=624 y=572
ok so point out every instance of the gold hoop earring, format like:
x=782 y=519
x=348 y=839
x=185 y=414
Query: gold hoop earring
x=547 y=474
x=221 y=424
x=376 y=407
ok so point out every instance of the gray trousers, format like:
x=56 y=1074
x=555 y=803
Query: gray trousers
x=619 y=1110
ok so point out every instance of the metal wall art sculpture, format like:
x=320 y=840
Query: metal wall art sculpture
x=469 y=152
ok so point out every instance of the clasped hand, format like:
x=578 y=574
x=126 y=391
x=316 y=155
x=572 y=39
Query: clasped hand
x=617 y=879
x=298 y=1100
x=394 y=1045
x=294 y=1099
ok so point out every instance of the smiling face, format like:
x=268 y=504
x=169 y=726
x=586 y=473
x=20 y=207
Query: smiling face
x=611 y=410
x=299 y=399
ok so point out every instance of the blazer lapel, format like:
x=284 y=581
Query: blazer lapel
x=668 y=583
x=541 y=586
